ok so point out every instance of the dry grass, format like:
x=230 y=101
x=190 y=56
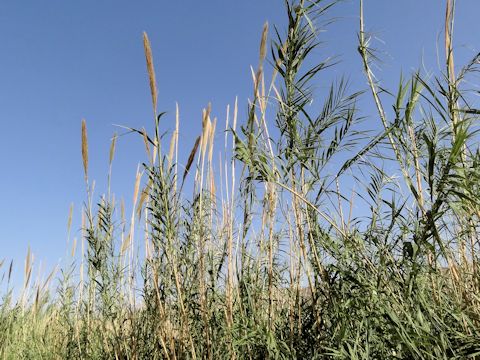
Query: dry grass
x=263 y=255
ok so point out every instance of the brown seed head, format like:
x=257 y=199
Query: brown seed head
x=151 y=71
x=85 y=148
x=263 y=42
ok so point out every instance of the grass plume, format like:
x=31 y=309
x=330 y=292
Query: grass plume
x=307 y=238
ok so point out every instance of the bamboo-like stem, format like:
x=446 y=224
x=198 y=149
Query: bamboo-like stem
x=363 y=50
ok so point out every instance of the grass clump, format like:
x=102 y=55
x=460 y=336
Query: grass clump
x=267 y=257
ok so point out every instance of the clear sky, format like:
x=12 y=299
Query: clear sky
x=61 y=61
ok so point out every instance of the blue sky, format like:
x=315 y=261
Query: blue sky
x=62 y=61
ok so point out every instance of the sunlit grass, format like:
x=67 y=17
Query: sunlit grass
x=264 y=254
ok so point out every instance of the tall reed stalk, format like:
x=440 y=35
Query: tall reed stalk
x=296 y=244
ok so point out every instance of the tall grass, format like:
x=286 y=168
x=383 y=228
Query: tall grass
x=264 y=256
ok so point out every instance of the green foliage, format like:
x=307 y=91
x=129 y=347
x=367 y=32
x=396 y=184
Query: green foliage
x=283 y=264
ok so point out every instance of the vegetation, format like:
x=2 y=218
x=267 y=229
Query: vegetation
x=266 y=256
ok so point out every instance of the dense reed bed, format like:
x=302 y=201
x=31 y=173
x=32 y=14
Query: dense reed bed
x=297 y=243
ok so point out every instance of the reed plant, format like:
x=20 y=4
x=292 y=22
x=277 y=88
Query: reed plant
x=266 y=255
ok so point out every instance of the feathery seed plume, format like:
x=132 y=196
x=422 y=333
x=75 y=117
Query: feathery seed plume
x=151 y=71
x=85 y=148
